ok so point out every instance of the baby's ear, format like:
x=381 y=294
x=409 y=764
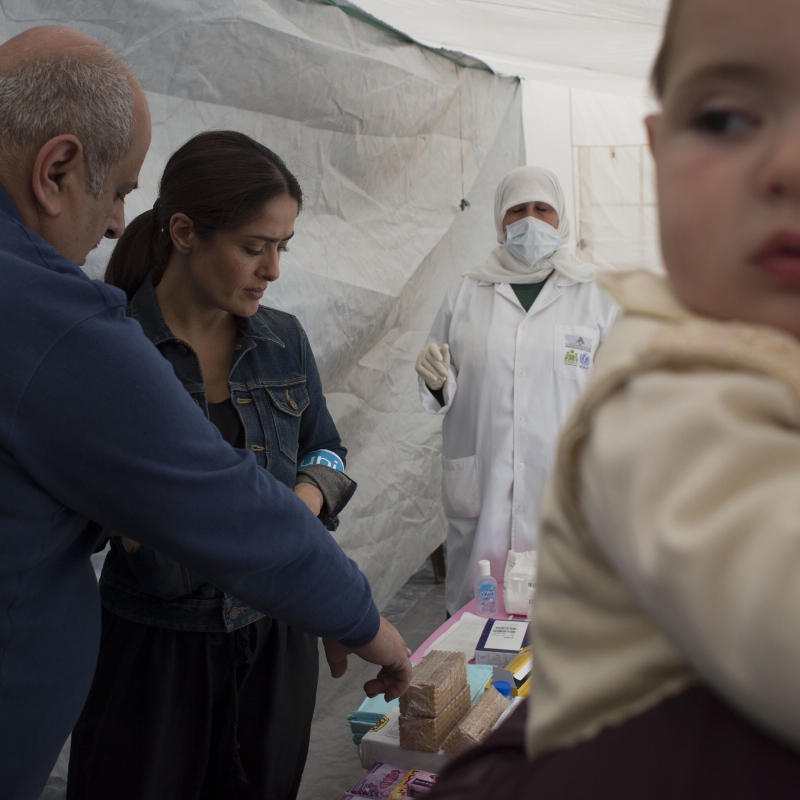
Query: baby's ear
x=652 y=122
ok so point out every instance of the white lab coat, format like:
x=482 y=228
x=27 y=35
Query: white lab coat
x=513 y=379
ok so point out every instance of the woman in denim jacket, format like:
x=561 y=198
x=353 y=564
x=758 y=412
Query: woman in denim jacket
x=195 y=694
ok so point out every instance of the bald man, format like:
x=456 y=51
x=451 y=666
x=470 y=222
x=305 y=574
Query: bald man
x=95 y=426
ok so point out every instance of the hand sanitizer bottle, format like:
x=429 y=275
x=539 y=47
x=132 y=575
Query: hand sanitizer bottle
x=486 y=590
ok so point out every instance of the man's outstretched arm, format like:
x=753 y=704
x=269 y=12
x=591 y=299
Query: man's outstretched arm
x=105 y=427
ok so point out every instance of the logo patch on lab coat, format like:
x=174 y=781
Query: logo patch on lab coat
x=578 y=351
x=574 y=347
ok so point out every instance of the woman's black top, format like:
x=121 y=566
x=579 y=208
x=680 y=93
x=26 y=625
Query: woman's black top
x=225 y=417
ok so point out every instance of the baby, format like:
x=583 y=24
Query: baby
x=667 y=618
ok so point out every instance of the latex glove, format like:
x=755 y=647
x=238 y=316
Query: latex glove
x=433 y=364
x=311 y=496
x=387 y=649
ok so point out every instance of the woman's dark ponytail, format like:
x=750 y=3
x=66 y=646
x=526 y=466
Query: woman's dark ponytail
x=137 y=253
x=220 y=180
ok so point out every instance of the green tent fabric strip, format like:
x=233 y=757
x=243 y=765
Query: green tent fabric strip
x=460 y=59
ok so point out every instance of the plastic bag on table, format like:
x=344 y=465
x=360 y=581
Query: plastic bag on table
x=519 y=583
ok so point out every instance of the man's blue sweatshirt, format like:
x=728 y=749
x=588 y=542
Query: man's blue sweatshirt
x=94 y=425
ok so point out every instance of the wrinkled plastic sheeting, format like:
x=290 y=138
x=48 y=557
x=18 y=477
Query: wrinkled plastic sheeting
x=386 y=138
x=618 y=212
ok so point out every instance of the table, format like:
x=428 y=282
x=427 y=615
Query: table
x=384 y=745
x=473 y=609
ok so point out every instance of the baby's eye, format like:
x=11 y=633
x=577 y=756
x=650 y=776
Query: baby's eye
x=723 y=122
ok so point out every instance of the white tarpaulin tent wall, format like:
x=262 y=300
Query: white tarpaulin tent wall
x=386 y=137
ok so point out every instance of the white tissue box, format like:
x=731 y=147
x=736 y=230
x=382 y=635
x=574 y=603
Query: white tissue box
x=384 y=745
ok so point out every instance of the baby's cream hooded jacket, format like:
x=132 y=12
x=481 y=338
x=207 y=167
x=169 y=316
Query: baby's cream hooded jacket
x=670 y=534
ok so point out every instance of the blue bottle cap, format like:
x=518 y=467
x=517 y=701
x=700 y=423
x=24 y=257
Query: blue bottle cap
x=504 y=687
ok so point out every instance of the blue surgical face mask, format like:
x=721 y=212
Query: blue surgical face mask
x=530 y=240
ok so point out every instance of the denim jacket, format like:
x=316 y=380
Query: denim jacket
x=275 y=387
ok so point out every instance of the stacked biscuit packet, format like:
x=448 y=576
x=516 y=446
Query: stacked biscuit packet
x=435 y=711
x=477 y=724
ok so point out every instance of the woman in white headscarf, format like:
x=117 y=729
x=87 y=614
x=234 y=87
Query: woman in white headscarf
x=507 y=356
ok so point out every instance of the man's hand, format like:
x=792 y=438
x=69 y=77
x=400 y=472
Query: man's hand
x=387 y=649
x=311 y=496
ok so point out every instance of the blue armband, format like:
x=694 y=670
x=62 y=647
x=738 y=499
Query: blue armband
x=322 y=458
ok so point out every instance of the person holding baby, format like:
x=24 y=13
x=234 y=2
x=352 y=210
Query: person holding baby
x=665 y=626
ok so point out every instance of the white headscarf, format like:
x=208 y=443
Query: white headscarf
x=530 y=185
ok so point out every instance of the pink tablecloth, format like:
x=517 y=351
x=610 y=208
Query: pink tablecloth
x=471 y=607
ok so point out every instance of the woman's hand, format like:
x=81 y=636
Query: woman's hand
x=433 y=364
x=311 y=496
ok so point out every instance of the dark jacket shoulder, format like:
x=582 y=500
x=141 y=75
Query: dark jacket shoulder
x=281 y=323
